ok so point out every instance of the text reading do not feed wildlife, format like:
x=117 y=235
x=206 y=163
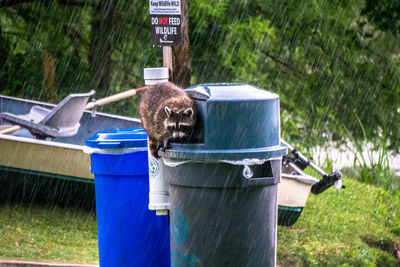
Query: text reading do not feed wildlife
x=165 y=18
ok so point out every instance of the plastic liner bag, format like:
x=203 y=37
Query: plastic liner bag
x=246 y=163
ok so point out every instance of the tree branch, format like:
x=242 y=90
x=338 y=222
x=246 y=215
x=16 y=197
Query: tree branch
x=74 y=3
x=75 y=37
x=11 y=3
x=287 y=65
x=14 y=33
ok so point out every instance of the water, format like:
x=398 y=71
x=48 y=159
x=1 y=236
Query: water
x=343 y=157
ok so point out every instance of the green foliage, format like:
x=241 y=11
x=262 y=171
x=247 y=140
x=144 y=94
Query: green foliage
x=385 y=14
x=32 y=30
x=356 y=226
x=65 y=31
x=325 y=59
x=372 y=162
x=330 y=61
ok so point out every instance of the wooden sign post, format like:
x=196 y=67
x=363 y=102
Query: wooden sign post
x=170 y=29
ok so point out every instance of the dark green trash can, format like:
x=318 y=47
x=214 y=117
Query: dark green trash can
x=223 y=185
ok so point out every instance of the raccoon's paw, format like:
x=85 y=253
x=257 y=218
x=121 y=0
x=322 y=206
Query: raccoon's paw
x=166 y=145
x=159 y=146
x=163 y=148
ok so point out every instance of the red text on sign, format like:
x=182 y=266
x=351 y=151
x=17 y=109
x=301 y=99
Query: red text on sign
x=162 y=21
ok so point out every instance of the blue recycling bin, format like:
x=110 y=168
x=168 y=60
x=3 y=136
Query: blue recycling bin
x=128 y=233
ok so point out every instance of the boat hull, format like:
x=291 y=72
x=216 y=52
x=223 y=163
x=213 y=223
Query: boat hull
x=292 y=198
x=44 y=157
x=61 y=157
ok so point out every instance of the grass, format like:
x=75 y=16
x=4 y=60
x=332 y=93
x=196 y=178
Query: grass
x=356 y=226
x=371 y=160
x=47 y=233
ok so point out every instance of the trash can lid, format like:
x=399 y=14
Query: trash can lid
x=235 y=121
x=119 y=138
x=229 y=92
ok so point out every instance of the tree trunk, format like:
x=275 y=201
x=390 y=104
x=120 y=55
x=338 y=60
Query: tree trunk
x=101 y=44
x=49 y=78
x=181 y=59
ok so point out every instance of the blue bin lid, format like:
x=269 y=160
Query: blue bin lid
x=119 y=138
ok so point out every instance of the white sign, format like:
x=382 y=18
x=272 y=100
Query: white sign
x=165 y=16
x=165 y=7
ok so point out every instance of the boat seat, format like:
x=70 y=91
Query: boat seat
x=62 y=120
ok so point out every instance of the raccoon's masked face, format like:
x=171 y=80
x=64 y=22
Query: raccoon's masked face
x=179 y=123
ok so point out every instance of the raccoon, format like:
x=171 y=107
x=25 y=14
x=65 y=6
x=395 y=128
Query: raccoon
x=167 y=114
